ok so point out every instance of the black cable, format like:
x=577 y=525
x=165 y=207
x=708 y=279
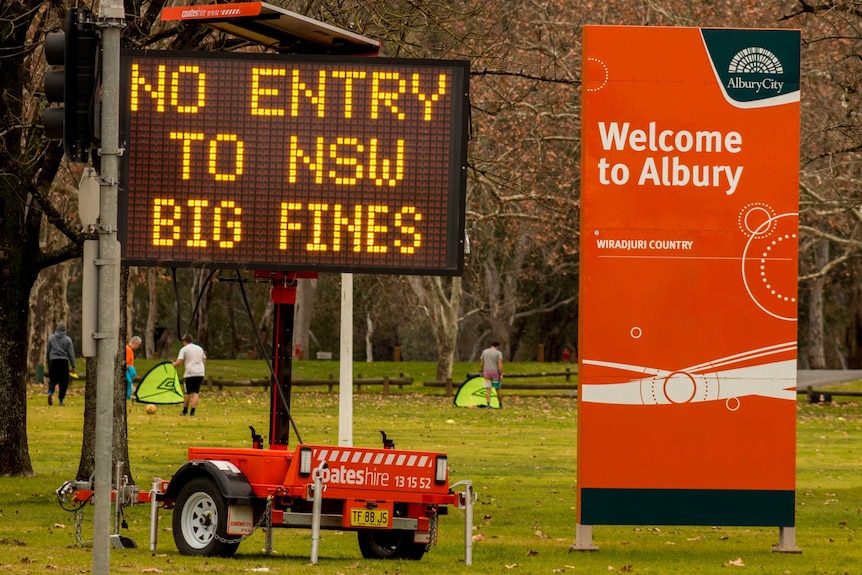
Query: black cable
x=268 y=361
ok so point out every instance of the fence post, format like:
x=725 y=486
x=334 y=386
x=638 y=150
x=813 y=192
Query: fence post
x=386 y=385
x=568 y=374
x=448 y=387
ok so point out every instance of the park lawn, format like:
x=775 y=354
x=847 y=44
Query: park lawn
x=522 y=461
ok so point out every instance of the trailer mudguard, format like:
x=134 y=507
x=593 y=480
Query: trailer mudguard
x=232 y=482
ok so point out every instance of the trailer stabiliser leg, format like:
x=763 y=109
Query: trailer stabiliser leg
x=316 y=506
x=466 y=499
x=154 y=512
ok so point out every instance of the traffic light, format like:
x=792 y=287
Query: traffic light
x=75 y=85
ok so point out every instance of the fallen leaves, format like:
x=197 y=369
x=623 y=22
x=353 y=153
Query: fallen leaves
x=10 y=541
x=735 y=563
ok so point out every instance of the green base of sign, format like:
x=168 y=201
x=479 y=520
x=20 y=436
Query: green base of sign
x=687 y=507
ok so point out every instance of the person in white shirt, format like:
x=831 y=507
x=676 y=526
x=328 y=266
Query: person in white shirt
x=194 y=359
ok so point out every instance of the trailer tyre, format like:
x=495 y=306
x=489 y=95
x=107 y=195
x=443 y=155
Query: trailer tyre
x=395 y=544
x=200 y=520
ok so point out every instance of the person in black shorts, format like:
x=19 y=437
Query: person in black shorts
x=193 y=359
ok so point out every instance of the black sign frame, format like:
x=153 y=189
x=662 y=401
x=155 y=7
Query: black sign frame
x=292 y=162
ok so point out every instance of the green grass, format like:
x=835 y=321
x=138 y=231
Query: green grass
x=522 y=461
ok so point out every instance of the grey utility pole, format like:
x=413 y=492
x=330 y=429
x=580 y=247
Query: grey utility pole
x=111 y=20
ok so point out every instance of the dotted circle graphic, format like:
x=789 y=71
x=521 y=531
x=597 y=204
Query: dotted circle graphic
x=764 y=274
x=607 y=74
x=752 y=216
x=765 y=252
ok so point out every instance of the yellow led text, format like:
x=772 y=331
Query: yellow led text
x=221 y=223
x=345 y=161
x=186 y=91
x=279 y=91
x=372 y=228
x=235 y=150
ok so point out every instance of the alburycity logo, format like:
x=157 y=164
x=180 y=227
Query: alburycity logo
x=754 y=68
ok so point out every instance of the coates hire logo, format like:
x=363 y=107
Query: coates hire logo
x=755 y=68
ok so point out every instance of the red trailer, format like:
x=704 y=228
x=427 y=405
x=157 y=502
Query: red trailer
x=392 y=498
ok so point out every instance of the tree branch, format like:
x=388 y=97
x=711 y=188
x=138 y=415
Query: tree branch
x=525 y=76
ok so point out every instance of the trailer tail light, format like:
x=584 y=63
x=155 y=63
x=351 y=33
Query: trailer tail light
x=442 y=469
x=304 y=461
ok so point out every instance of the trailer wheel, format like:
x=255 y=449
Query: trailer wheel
x=200 y=520
x=393 y=544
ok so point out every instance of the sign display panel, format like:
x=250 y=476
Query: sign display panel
x=688 y=297
x=293 y=163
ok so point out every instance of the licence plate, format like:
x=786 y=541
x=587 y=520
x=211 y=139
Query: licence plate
x=363 y=517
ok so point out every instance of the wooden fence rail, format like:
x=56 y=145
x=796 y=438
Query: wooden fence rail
x=330 y=383
x=571 y=387
x=815 y=395
x=568 y=373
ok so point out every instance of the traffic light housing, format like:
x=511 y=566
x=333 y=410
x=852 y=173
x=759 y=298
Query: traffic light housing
x=75 y=85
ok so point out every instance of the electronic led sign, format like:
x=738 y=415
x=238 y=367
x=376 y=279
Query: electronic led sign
x=293 y=163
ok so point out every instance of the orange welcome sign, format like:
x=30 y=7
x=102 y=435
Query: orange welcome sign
x=688 y=298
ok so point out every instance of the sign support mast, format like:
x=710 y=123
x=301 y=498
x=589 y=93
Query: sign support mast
x=111 y=17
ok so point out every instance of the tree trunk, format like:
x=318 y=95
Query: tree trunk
x=201 y=291
x=502 y=287
x=369 y=334
x=303 y=312
x=816 y=353
x=120 y=438
x=14 y=297
x=264 y=330
x=48 y=307
x=442 y=306
x=152 y=315
x=235 y=342
x=132 y=277
x=854 y=328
